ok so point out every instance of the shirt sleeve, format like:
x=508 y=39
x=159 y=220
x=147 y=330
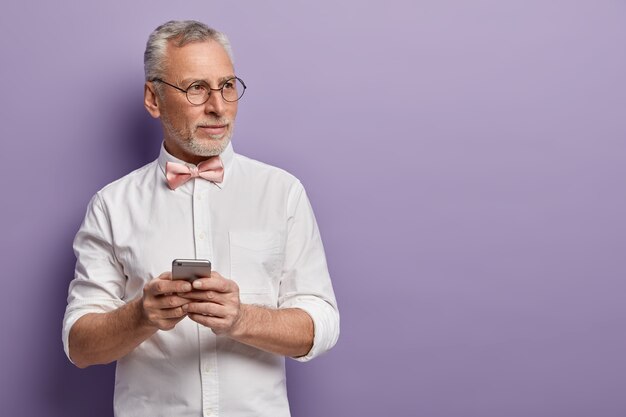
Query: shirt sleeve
x=306 y=282
x=99 y=281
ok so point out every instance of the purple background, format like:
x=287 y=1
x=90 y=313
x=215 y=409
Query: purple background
x=465 y=159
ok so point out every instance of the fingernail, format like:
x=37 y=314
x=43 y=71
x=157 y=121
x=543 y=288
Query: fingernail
x=197 y=284
x=186 y=287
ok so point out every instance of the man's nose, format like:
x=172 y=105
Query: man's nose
x=215 y=104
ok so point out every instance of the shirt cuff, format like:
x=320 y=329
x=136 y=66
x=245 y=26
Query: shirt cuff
x=325 y=323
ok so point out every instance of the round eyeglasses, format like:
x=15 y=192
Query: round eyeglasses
x=199 y=91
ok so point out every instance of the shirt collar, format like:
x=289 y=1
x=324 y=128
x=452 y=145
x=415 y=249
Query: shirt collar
x=227 y=155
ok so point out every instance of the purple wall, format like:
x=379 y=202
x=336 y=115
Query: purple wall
x=466 y=161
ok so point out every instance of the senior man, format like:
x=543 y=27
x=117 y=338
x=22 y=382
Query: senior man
x=214 y=346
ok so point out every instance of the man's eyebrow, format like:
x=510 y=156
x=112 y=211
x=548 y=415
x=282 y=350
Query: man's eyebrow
x=226 y=78
x=188 y=81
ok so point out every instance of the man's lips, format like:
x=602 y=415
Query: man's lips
x=213 y=129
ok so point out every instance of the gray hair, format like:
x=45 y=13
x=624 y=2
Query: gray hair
x=183 y=32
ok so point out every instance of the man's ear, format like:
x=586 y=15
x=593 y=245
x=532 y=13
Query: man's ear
x=150 y=100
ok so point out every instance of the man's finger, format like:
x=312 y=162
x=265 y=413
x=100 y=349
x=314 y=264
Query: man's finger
x=218 y=284
x=207 y=321
x=173 y=313
x=203 y=296
x=165 y=286
x=207 y=309
x=170 y=301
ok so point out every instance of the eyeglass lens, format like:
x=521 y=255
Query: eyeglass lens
x=231 y=90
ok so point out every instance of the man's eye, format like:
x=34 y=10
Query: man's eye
x=197 y=88
x=228 y=85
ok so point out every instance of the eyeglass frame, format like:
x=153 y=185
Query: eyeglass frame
x=221 y=89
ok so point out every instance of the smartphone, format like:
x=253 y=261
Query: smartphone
x=190 y=269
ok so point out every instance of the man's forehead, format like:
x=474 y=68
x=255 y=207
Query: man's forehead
x=200 y=60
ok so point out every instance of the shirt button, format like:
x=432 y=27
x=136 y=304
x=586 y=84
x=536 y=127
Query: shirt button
x=201 y=236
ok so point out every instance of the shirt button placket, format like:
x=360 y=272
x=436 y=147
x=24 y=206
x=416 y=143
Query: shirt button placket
x=204 y=250
x=201 y=219
x=208 y=374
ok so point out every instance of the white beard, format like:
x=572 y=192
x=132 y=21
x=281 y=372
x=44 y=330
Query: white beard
x=193 y=145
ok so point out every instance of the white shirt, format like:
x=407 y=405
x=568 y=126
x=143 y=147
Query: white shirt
x=257 y=228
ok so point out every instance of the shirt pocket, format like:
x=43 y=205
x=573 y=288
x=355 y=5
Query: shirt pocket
x=255 y=261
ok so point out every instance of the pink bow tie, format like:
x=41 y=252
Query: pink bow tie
x=178 y=174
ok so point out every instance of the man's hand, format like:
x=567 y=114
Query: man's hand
x=215 y=303
x=161 y=305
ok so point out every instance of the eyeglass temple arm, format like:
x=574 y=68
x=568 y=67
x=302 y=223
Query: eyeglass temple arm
x=171 y=85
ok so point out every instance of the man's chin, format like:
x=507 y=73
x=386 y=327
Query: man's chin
x=208 y=147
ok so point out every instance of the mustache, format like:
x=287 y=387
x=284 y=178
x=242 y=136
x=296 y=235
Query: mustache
x=212 y=122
